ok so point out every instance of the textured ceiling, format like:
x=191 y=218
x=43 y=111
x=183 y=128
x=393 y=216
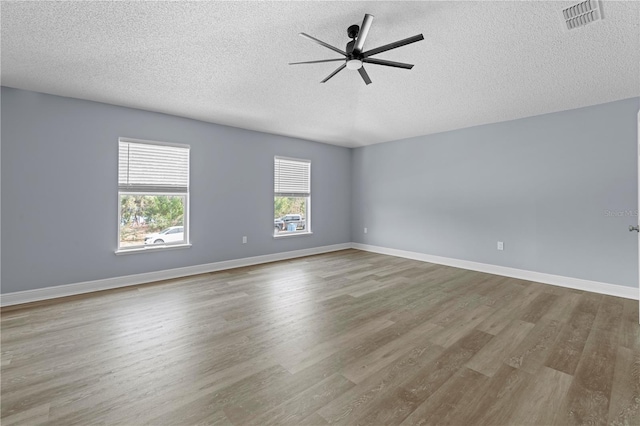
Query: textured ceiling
x=227 y=62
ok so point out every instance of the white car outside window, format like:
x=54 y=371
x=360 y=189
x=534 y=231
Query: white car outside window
x=169 y=235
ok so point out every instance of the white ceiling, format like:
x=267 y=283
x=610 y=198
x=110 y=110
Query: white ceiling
x=227 y=62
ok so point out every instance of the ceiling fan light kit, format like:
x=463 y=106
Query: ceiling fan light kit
x=354 y=64
x=355 y=56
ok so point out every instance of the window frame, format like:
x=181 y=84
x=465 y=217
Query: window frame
x=307 y=217
x=186 y=243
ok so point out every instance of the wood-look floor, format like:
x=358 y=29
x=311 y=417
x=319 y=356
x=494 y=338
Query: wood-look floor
x=342 y=338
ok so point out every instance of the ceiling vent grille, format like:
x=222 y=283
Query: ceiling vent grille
x=582 y=14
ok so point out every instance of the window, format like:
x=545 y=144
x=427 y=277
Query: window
x=153 y=194
x=292 y=196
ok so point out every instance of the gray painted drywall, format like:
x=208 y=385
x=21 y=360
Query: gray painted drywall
x=542 y=185
x=59 y=190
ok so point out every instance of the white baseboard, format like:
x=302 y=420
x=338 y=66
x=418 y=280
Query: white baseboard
x=557 y=280
x=27 y=296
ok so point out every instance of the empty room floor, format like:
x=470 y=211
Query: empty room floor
x=347 y=337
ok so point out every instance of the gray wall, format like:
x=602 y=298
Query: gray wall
x=59 y=190
x=542 y=185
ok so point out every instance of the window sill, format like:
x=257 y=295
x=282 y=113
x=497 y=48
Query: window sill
x=298 y=234
x=152 y=249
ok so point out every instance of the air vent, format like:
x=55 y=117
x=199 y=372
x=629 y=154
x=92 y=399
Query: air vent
x=582 y=14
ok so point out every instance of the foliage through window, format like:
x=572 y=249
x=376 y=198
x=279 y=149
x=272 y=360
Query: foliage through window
x=292 y=196
x=153 y=192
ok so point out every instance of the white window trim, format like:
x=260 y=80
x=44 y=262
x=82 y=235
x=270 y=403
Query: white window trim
x=150 y=142
x=153 y=248
x=297 y=234
x=160 y=247
x=307 y=230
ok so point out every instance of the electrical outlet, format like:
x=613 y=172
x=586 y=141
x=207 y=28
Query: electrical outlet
x=365 y=230
x=500 y=245
x=244 y=240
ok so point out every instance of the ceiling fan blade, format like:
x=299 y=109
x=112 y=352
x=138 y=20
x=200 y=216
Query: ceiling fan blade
x=393 y=45
x=322 y=43
x=316 y=62
x=362 y=34
x=364 y=75
x=340 y=68
x=387 y=63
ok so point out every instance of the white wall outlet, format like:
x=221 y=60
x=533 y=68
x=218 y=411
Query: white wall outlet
x=365 y=230
x=500 y=245
x=244 y=240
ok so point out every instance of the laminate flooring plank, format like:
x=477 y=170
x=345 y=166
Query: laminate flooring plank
x=538 y=307
x=446 y=305
x=349 y=407
x=624 y=408
x=402 y=401
x=461 y=326
x=392 y=409
x=384 y=355
x=33 y=416
x=460 y=307
x=280 y=310
x=429 y=304
x=299 y=361
x=397 y=282
x=489 y=359
x=132 y=364
x=499 y=399
x=295 y=410
x=216 y=418
x=567 y=349
x=487 y=285
x=630 y=332
x=313 y=420
x=609 y=316
x=322 y=326
x=354 y=290
x=263 y=400
x=211 y=405
x=564 y=304
x=589 y=396
x=545 y=396
x=418 y=271
x=531 y=354
x=427 y=307
x=140 y=401
x=353 y=351
x=511 y=310
x=80 y=325
x=449 y=403
x=347 y=268
x=393 y=270
x=508 y=290
x=35 y=358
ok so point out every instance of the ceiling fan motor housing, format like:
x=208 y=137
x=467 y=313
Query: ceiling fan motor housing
x=353 y=31
x=354 y=60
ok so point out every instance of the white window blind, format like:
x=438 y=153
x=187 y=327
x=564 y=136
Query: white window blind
x=144 y=167
x=292 y=178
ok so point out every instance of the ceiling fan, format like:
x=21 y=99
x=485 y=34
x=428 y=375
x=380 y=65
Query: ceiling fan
x=355 y=57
